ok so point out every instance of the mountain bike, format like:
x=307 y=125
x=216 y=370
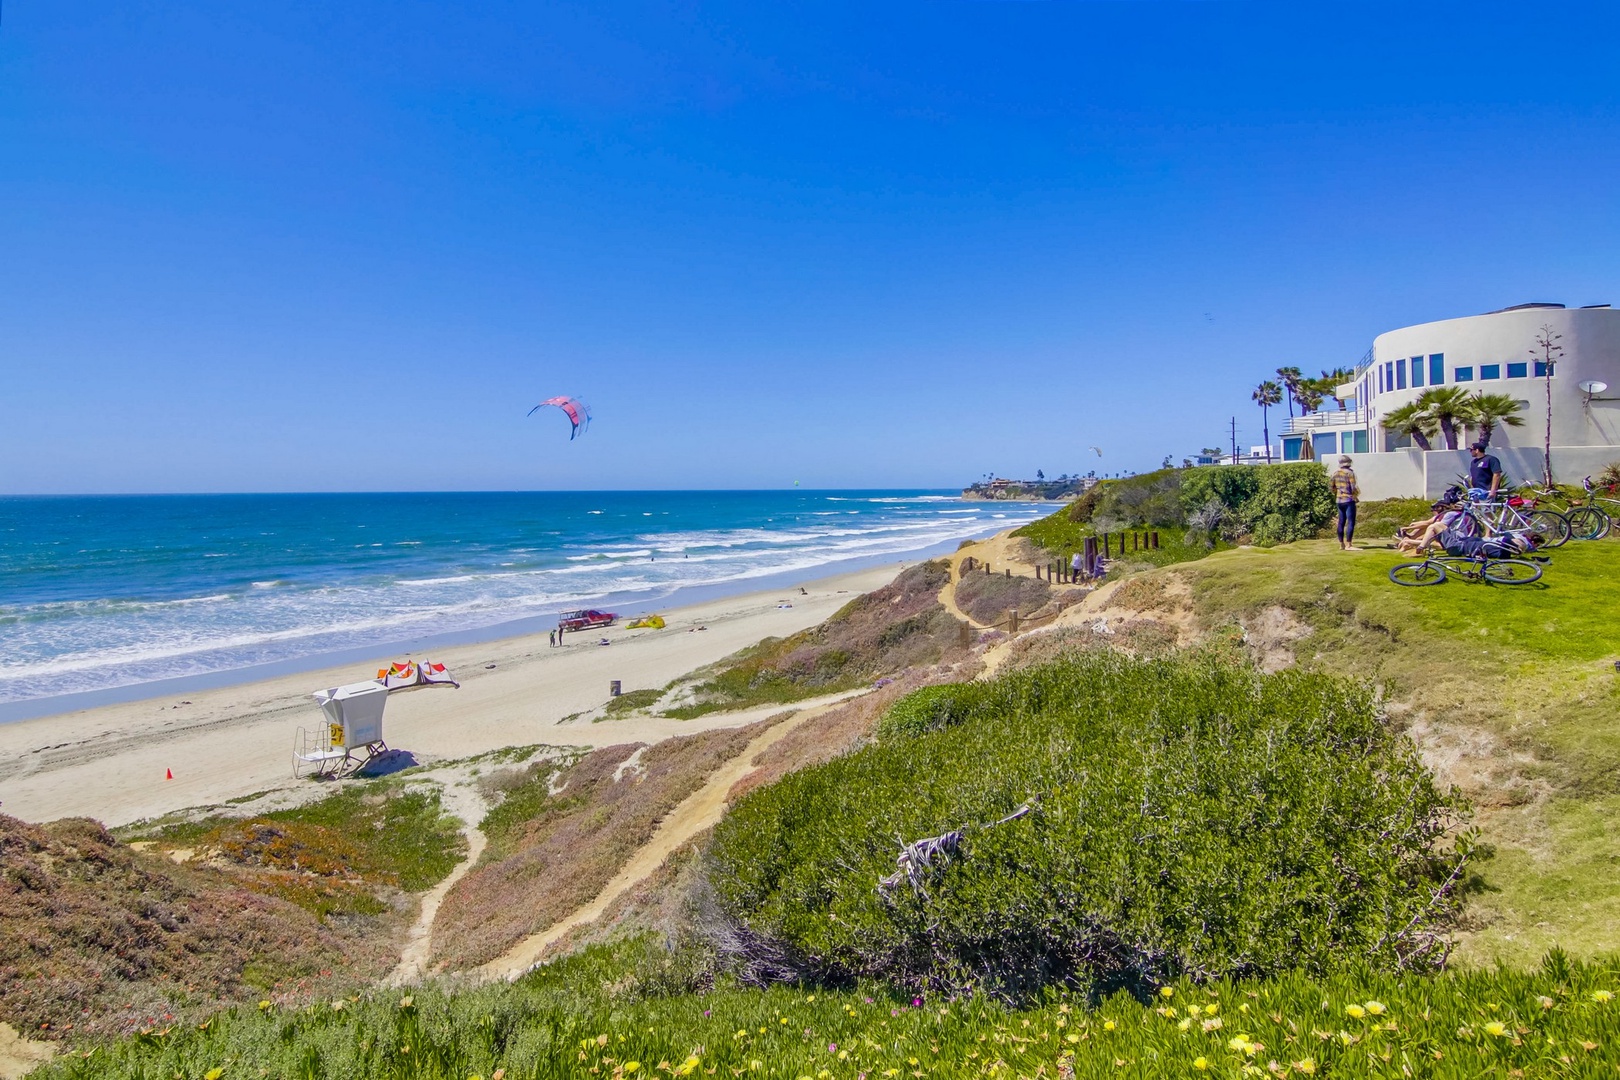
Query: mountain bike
x=1586 y=520
x=1515 y=514
x=1435 y=570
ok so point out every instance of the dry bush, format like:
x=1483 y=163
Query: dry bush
x=986 y=598
x=899 y=626
x=99 y=939
x=541 y=867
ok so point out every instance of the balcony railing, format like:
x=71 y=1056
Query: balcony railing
x=1295 y=425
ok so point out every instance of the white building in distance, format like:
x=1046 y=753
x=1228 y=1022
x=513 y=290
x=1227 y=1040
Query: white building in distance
x=1489 y=353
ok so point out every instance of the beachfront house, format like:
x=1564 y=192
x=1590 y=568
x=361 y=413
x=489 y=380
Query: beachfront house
x=1490 y=353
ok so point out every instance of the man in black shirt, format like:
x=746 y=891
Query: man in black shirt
x=1484 y=472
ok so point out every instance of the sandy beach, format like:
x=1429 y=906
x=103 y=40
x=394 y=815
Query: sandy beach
x=110 y=762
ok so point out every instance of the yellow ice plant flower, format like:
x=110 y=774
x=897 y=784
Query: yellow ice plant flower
x=1201 y=1063
x=1184 y=1025
x=1355 y=1011
x=784 y=1019
x=631 y=1066
x=1305 y=1065
x=1071 y=1037
x=1192 y=1009
x=1497 y=1028
x=843 y=1055
x=1109 y=1025
x=215 y=1073
x=265 y=1004
x=1212 y=1008
x=1376 y=1008
x=685 y=1068
x=1602 y=996
x=1165 y=991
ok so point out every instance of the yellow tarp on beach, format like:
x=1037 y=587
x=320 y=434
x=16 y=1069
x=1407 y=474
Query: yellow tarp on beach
x=651 y=622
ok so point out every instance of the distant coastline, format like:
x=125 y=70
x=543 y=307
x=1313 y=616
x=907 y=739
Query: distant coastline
x=1063 y=489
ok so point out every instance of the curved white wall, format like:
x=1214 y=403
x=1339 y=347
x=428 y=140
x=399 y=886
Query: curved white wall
x=1591 y=343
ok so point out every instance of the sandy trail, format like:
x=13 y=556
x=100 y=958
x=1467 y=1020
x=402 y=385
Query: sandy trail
x=460 y=798
x=696 y=812
x=109 y=763
x=18 y=1055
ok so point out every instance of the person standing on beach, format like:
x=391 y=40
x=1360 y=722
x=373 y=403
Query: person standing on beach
x=1346 y=493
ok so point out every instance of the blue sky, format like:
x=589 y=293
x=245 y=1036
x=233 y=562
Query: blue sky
x=286 y=247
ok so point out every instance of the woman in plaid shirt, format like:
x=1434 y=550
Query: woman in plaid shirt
x=1345 y=493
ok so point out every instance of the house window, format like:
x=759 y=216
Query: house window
x=1389 y=375
x=1437 y=369
x=1400 y=374
x=1361 y=441
x=1518 y=371
x=1293 y=447
x=1380 y=380
x=1325 y=444
x=1490 y=371
x=1545 y=369
x=1417 y=371
x=1462 y=374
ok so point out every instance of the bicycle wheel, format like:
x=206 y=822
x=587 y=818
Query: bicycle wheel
x=1588 y=523
x=1552 y=525
x=1418 y=573
x=1511 y=571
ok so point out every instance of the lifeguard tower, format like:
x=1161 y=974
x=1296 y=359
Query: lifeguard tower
x=351 y=736
x=353 y=732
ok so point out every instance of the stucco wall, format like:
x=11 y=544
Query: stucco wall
x=1410 y=473
x=1590 y=338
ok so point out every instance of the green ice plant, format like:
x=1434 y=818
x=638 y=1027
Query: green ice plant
x=1186 y=817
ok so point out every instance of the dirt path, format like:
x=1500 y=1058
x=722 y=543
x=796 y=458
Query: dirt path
x=462 y=799
x=695 y=813
x=18 y=1055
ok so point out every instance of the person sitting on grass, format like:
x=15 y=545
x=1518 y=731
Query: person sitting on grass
x=1507 y=546
x=1420 y=535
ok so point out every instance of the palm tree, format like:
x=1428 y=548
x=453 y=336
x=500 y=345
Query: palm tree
x=1490 y=410
x=1267 y=394
x=1411 y=420
x=1310 y=396
x=1290 y=377
x=1447 y=406
x=1330 y=382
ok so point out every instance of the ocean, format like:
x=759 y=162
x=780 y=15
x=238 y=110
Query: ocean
x=105 y=592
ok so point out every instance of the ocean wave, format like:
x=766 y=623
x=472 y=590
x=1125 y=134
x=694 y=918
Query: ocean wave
x=305 y=594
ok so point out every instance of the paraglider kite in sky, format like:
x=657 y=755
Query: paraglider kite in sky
x=579 y=414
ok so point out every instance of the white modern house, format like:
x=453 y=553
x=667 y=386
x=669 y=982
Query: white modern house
x=1490 y=353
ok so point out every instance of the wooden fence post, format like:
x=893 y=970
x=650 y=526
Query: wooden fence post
x=1012 y=620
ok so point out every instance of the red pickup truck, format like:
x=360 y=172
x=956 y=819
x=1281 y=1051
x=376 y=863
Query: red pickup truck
x=587 y=619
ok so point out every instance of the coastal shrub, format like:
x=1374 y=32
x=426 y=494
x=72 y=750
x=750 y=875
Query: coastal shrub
x=1274 y=504
x=1230 y=485
x=899 y=626
x=1150 y=499
x=1290 y=502
x=986 y=598
x=1184 y=816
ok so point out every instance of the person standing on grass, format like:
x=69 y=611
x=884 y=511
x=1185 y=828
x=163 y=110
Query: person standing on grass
x=1345 y=493
x=1484 y=471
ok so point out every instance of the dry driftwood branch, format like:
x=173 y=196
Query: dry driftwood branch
x=918 y=857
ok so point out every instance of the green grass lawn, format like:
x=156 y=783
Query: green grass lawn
x=1511 y=689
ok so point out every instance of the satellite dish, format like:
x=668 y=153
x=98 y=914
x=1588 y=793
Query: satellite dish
x=1592 y=386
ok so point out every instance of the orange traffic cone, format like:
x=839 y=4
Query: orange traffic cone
x=168 y=774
